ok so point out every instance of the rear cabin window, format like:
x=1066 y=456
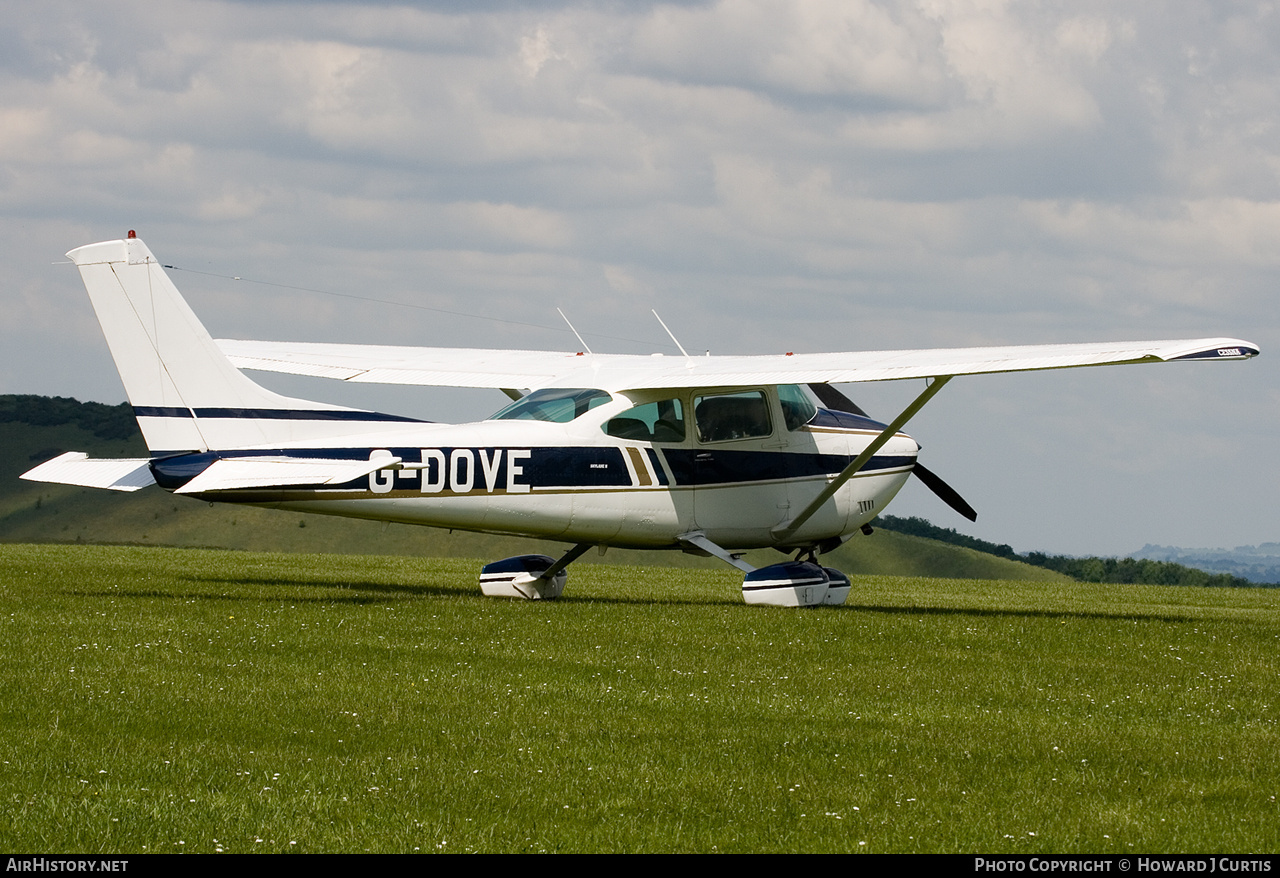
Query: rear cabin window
x=726 y=416
x=661 y=421
x=559 y=406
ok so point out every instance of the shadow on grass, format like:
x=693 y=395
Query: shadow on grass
x=367 y=592
x=361 y=592
x=1021 y=614
x=416 y=590
x=364 y=592
x=655 y=601
x=381 y=592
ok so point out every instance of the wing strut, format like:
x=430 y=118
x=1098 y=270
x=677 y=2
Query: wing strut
x=565 y=560
x=785 y=530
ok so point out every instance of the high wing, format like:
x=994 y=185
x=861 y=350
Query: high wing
x=473 y=367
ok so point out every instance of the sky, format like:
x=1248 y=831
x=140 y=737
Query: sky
x=815 y=175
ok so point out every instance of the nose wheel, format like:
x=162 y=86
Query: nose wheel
x=799 y=583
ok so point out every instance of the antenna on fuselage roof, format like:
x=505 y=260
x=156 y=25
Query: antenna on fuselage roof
x=575 y=332
x=670 y=333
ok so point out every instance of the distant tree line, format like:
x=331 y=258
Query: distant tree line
x=1119 y=570
x=103 y=421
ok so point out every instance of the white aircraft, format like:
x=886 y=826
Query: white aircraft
x=711 y=455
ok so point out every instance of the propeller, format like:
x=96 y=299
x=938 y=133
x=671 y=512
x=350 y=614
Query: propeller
x=834 y=399
x=945 y=492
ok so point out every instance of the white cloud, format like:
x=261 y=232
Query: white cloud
x=536 y=50
x=812 y=47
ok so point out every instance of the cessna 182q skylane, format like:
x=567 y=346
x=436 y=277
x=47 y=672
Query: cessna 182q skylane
x=706 y=454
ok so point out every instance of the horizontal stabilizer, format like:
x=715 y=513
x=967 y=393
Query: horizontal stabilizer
x=269 y=472
x=75 y=468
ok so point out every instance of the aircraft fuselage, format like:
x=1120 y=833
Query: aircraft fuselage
x=575 y=483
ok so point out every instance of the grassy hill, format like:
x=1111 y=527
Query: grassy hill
x=32 y=512
x=162 y=700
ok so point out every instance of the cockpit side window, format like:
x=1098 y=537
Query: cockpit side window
x=726 y=416
x=797 y=408
x=559 y=406
x=661 y=421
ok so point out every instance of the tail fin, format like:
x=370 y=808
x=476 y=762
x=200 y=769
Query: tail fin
x=185 y=393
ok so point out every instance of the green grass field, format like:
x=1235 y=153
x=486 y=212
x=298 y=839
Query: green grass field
x=183 y=700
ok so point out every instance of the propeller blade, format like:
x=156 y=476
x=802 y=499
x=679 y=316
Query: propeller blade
x=945 y=492
x=835 y=400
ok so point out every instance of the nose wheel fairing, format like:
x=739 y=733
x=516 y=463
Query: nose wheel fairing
x=795 y=584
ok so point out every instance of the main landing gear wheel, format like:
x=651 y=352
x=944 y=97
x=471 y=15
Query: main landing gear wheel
x=531 y=577
x=523 y=576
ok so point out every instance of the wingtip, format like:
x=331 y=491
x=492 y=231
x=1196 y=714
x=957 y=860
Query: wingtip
x=1221 y=349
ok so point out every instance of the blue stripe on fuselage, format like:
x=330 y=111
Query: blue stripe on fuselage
x=715 y=467
x=844 y=420
x=156 y=411
x=546 y=467
x=486 y=469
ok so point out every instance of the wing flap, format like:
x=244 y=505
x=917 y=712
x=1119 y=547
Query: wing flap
x=387 y=364
x=76 y=468
x=269 y=472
